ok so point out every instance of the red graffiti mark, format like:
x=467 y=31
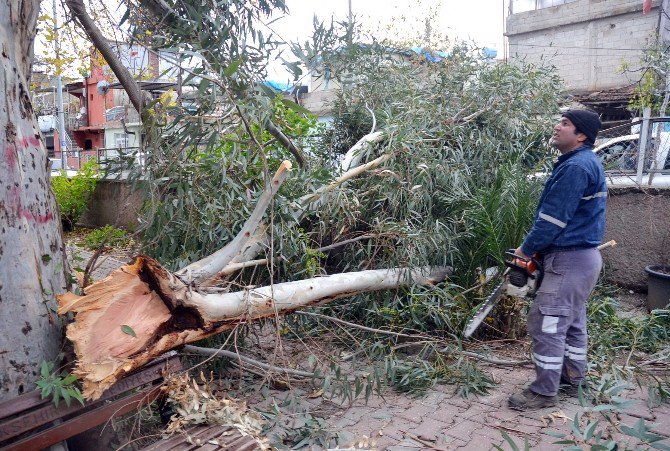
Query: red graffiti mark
x=28 y=142
x=40 y=219
x=10 y=155
x=14 y=204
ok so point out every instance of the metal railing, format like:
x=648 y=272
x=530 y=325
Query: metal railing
x=639 y=149
x=70 y=146
x=115 y=159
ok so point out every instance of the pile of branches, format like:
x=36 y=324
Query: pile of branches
x=439 y=181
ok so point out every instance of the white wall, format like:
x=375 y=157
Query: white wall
x=111 y=136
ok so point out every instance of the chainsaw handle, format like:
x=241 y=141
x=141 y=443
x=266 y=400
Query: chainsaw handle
x=610 y=243
x=531 y=264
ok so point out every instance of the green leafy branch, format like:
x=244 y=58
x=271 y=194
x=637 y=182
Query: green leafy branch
x=58 y=386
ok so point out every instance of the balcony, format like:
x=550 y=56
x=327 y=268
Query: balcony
x=125 y=113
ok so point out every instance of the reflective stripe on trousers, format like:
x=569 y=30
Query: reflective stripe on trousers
x=557 y=318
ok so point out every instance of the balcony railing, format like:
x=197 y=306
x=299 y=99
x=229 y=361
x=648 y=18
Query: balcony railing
x=122 y=112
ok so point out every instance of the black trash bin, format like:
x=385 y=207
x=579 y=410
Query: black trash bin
x=658 y=283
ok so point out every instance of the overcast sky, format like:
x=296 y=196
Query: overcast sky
x=480 y=21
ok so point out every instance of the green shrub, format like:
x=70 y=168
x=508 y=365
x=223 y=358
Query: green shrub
x=109 y=235
x=74 y=193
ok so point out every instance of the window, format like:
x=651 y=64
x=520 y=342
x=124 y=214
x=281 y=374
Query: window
x=121 y=140
x=520 y=6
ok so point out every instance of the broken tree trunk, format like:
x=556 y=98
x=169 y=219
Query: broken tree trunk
x=141 y=311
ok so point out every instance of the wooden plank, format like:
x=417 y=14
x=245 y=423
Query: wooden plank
x=20 y=403
x=241 y=442
x=200 y=435
x=177 y=442
x=49 y=413
x=84 y=421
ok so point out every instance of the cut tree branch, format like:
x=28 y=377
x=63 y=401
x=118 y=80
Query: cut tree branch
x=209 y=266
x=287 y=143
x=314 y=200
x=142 y=311
x=239 y=357
x=354 y=155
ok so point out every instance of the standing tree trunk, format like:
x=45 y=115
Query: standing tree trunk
x=32 y=258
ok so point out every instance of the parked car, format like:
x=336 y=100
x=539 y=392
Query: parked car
x=57 y=166
x=619 y=157
x=620 y=153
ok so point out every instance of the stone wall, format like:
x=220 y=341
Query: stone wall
x=114 y=202
x=639 y=220
x=587 y=40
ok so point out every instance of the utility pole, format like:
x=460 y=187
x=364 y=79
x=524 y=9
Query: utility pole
x=350 y=26
x=59 y=94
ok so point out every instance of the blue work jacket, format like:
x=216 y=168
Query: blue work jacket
x=571 y=211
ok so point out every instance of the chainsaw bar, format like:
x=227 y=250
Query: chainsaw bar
x=484 y=310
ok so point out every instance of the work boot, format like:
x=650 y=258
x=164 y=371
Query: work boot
x=571 y=390
x=528 y=400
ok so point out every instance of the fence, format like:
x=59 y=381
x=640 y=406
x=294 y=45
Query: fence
x=110 y=160
x=116 y=159
x=637 y=151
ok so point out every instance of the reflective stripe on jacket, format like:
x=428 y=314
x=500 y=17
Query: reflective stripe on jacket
x=571 y=211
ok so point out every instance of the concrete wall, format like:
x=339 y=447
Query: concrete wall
x=114 y=202
x=587 y=40
x=639 y=220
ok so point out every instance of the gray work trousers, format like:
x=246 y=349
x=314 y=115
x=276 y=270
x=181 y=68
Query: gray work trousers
x=557 y=318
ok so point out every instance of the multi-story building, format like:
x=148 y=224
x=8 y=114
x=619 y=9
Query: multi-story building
x=596 y=45
x=105 y=124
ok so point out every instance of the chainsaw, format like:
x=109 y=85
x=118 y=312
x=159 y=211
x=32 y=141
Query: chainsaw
x=521 y=278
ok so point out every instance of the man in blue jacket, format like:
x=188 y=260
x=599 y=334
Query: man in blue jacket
x=569 y=225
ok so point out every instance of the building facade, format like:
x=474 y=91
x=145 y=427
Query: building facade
x=596 y=45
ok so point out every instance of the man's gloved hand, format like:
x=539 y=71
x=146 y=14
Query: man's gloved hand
x=520 y=253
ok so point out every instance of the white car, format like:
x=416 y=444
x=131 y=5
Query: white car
x=619 y=157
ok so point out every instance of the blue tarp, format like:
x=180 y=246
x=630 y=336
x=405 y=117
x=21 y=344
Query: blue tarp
x=279 y=86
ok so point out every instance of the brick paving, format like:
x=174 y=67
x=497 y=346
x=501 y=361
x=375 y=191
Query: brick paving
x=79 y=257
x=442 y=420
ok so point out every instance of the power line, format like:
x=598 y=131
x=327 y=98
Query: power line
x=559 y=47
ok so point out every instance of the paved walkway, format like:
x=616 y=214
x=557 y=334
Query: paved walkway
x=444 y=420
x=79 y=257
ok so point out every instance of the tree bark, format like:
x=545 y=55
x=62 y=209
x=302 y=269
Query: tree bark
x=142 y=311
x=32 y=255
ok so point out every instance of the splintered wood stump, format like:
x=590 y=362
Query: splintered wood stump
x=142 y=310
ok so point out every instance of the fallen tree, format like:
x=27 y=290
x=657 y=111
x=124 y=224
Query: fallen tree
x=142 y=310
x=405 y=198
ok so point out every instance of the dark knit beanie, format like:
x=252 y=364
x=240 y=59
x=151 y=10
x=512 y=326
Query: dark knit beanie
x=585 y=121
